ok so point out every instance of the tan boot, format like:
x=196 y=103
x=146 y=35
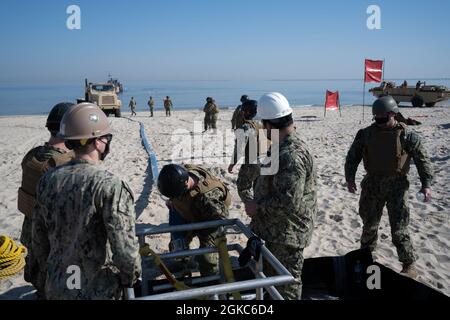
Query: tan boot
x=410 y=270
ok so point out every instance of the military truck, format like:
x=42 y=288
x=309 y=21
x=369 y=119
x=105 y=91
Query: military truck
x=418 y=96
x=104 y=95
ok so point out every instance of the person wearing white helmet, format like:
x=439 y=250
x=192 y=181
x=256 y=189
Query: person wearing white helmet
x=285 y=203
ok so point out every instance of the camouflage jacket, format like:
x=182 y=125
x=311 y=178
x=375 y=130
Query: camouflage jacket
x=241 y=148
x=210 y=205
x=237 y=120
x=45 y=154
x=85 y=218
x=410 y=142
x=211 y=108
x=287 y=201
x=168 y=103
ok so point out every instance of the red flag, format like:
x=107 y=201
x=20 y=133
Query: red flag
x=332 y=100
x=374 y=71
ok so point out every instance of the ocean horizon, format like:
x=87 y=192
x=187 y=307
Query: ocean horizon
x=38 y=99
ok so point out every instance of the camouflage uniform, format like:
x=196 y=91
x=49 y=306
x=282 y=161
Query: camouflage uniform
x=286 y=209
x=85 y=217
x=378 y=190
x=168 y=106
x=237 y=120
x=151 y=105
x=42 y=154
x=211 y=110
x=250 y=169
x=208 y=206
x=133 y=107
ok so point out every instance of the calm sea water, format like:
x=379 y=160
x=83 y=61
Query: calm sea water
x=38 y=99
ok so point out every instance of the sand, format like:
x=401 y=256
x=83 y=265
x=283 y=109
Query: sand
x=338 y=226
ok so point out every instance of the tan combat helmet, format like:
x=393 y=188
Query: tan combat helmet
x=84 y=121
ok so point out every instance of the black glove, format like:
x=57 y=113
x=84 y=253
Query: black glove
x=253 y=249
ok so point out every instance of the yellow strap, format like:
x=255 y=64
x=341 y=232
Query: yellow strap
x=146 y=251
x=12 y=257
x=221 y=244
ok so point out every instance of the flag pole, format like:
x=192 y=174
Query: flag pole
x=364 y=88
x=364 y=96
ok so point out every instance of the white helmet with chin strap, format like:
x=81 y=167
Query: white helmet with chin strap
x=273 y=105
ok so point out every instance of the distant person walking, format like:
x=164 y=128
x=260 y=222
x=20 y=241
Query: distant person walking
x=132 y=106
x=151 y=105
x=168 y=106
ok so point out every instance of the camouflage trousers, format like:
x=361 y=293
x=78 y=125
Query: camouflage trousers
x=292 y=259
x=210 y=121
x=376 y=192
x=30 y=274
x=245 y=181
x=208 y=263
x=25 y=239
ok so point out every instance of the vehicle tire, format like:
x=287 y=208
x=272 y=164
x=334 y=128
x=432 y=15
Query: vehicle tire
x=106 y=112
x=417 y=102
x=430 y=104
x=117 y=113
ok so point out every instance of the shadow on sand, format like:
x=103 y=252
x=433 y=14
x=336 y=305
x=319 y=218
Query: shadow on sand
x=143 y=200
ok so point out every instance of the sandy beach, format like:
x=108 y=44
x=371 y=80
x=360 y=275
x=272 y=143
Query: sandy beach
x=337 y=227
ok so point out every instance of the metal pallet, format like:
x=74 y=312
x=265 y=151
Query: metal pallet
x=259 y=284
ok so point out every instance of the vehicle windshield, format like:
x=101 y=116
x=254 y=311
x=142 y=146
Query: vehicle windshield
x=102 y=87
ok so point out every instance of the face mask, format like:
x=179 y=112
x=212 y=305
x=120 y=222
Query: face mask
x=107 y=148
x=383 y=120
x=104 y=154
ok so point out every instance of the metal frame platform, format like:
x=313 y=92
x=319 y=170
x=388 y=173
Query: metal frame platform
x=260 y=283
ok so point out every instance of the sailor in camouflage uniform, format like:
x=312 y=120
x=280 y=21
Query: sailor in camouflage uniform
x=386 y=148
x=35 y=163
x=151 y=105
x=85 y=217
x=237 y=119
x=211 y=111
x=285 y=204
x=195 y=196
x=132 y=106
x=251 y=145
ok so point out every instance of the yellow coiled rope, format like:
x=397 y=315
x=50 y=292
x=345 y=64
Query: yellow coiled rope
x=12 y=257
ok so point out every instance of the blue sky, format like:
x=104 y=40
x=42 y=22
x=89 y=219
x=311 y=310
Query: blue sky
x=221 y=40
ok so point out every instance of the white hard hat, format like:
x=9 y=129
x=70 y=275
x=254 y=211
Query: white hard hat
x=273 y=105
